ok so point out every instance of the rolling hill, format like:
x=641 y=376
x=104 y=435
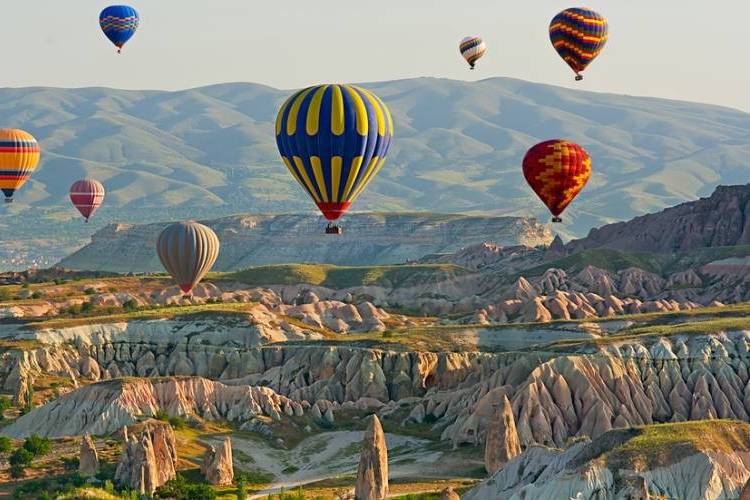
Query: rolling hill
x=210 y=152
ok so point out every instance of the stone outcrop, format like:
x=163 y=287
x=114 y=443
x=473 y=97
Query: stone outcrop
x=502 y=440
x=148 y=461
x=372 y=473
x=253 y=240
x=88 y=459
x=217 y=465
x=581 y=471
x=717 y=221
x=449 y=494
x=104 y=407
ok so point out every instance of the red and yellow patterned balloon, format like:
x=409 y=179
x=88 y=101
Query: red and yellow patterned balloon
x=557 y=170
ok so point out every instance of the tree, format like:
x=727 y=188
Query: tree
x=5 y=444
x=241 y=487
x=36 y=445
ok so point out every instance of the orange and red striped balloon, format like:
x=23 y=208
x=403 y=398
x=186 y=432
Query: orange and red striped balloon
x=557 y=170
x=19 y=157
x=87 y=195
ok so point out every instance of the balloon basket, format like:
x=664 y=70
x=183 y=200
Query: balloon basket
x=579 y=78
x=333 y=229
x=8 y=200
x=556 y=219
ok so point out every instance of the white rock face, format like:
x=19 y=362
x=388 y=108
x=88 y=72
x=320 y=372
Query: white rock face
x=105 y=407
x=542 y=473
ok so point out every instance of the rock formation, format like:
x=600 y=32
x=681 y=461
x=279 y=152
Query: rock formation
x=719 y=220
x=88 y=459
x=104 y=407
x=745 y=493
x=217 y=465
x=372 y=473
x=149 y=461
x=705 y=468
x=256 y=240
x=502 y=440
x=449 y=494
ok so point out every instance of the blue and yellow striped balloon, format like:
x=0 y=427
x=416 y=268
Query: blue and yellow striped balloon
x=19 y=157
x=334 y=139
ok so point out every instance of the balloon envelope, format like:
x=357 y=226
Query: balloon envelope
x=557 y=170
x=19 y=157
x=472 y=48
x=187 y=251
x=334 y=139
x=87 y=195
x=578 y=35
x=119 y=23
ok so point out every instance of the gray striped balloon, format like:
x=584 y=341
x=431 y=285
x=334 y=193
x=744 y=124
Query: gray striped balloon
x=187 y=251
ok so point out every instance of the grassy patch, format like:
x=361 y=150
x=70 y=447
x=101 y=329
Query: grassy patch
x=657 y=445
x=339 y=277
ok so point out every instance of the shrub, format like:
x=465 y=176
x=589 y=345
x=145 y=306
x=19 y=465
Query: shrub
x=37 y=446
x=241 y=488
x=130 y=305
x=22 y=457
x=36 y=294
x=109 y=487
x=5 y=444
x=17 y=471
x=177 y=422
x=32 y=489
x=181 y=489
x=5 y=294
x=87 y=307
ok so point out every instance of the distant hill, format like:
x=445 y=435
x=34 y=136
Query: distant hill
x=210 y=152
x=368 y=239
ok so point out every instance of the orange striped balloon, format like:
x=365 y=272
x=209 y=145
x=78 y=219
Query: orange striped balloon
x=19 y=157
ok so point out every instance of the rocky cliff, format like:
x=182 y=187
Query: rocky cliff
x=106 y=407
x=255 y=240
x=554 y=395
x=690 y=461
x=723 y=219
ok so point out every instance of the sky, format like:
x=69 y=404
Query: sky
x=678 y=49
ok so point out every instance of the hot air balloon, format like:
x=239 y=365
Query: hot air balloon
x=119 y=23
x=578 y=35
x=87 y=195
x=19 y=156
x=334 y=140
x=472 y=48
x=187 y=251
x=557 y=170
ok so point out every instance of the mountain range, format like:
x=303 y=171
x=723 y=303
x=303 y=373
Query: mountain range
x=210 y=152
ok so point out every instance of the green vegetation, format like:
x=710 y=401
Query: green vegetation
x=176 y=421
x=34 y=447
x=339 y=277
x=182 y=489
x=5 y=444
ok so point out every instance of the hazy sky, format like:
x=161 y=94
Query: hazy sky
x=680 y=49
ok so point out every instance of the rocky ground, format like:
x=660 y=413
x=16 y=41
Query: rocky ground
x=490 y=372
